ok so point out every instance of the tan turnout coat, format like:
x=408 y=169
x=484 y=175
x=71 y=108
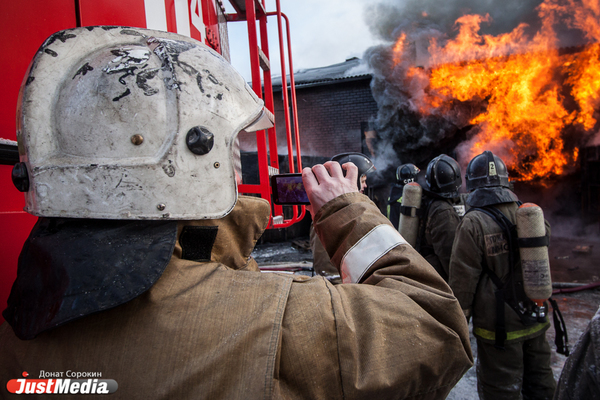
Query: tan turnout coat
x=224 y=330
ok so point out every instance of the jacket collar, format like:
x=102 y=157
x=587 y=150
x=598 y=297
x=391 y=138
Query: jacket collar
x=70 y=268
x=229 y=240
x=489 y=196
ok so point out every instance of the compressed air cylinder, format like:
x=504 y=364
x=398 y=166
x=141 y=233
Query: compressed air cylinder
x=533 y=249
x=411 y=202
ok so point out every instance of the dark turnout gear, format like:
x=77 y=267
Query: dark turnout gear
x=439 y=216
x=439 y=228
x=480 y=246
x=405 y=173
x=489 y=196
x=220 y=329
x=580 y=377
x=508 y=374
x=443 y=177
x=486 y=277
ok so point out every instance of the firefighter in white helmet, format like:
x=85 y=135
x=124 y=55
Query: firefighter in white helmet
x=485 y=274
x=139 y=270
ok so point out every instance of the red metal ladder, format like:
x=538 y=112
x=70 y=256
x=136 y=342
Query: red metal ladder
x=268 y=161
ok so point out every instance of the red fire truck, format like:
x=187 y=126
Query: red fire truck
x=25 y=24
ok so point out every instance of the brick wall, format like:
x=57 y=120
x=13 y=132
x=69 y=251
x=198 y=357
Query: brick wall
x=330 y=118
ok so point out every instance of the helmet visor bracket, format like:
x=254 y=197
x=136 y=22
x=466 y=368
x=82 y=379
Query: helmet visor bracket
x=265 y=120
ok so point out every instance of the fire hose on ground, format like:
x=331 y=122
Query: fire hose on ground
x=568 y=287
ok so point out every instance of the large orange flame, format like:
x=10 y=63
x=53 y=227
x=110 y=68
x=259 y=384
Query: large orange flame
x=519 y=84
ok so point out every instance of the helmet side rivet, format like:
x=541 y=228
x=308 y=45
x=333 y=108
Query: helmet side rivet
x=217 y=164
x=161 y=207
x=137 y=139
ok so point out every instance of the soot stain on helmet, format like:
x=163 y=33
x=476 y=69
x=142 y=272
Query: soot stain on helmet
x=128 y=72
x=90 y=167
x=63 y=36
x=143 y=77
x=127 y=92
x=169 y=169
x=215 y=81
x=212 y=78
x=85 y=68
x=127 y=62
x=199 y=82
x=168 y=52
x=131 y=32
x=51 y=52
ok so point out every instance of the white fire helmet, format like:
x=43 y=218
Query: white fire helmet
x=129 y=123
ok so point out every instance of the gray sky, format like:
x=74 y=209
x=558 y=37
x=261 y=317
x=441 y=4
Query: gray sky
x=326 y=32
x=323 y=32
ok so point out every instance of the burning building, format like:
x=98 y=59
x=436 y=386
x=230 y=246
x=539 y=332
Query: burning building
x=529 y=93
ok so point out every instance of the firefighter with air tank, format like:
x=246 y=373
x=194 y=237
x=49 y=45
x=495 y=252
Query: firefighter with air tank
x=500 y=275
x=429 y=214
x=405 y=174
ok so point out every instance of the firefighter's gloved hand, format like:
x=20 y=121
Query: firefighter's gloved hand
x=325 y=182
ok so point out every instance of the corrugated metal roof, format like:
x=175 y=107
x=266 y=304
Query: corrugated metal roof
x=351 y=69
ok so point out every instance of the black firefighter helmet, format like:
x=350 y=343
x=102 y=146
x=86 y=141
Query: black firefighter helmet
x=363 y=162
x=407 y=173
x=443 y=176
x=486 y=170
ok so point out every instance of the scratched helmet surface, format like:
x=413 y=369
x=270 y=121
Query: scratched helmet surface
x=129 y=123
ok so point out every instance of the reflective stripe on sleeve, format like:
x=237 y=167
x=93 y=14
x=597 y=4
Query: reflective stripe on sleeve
x=367 y=251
